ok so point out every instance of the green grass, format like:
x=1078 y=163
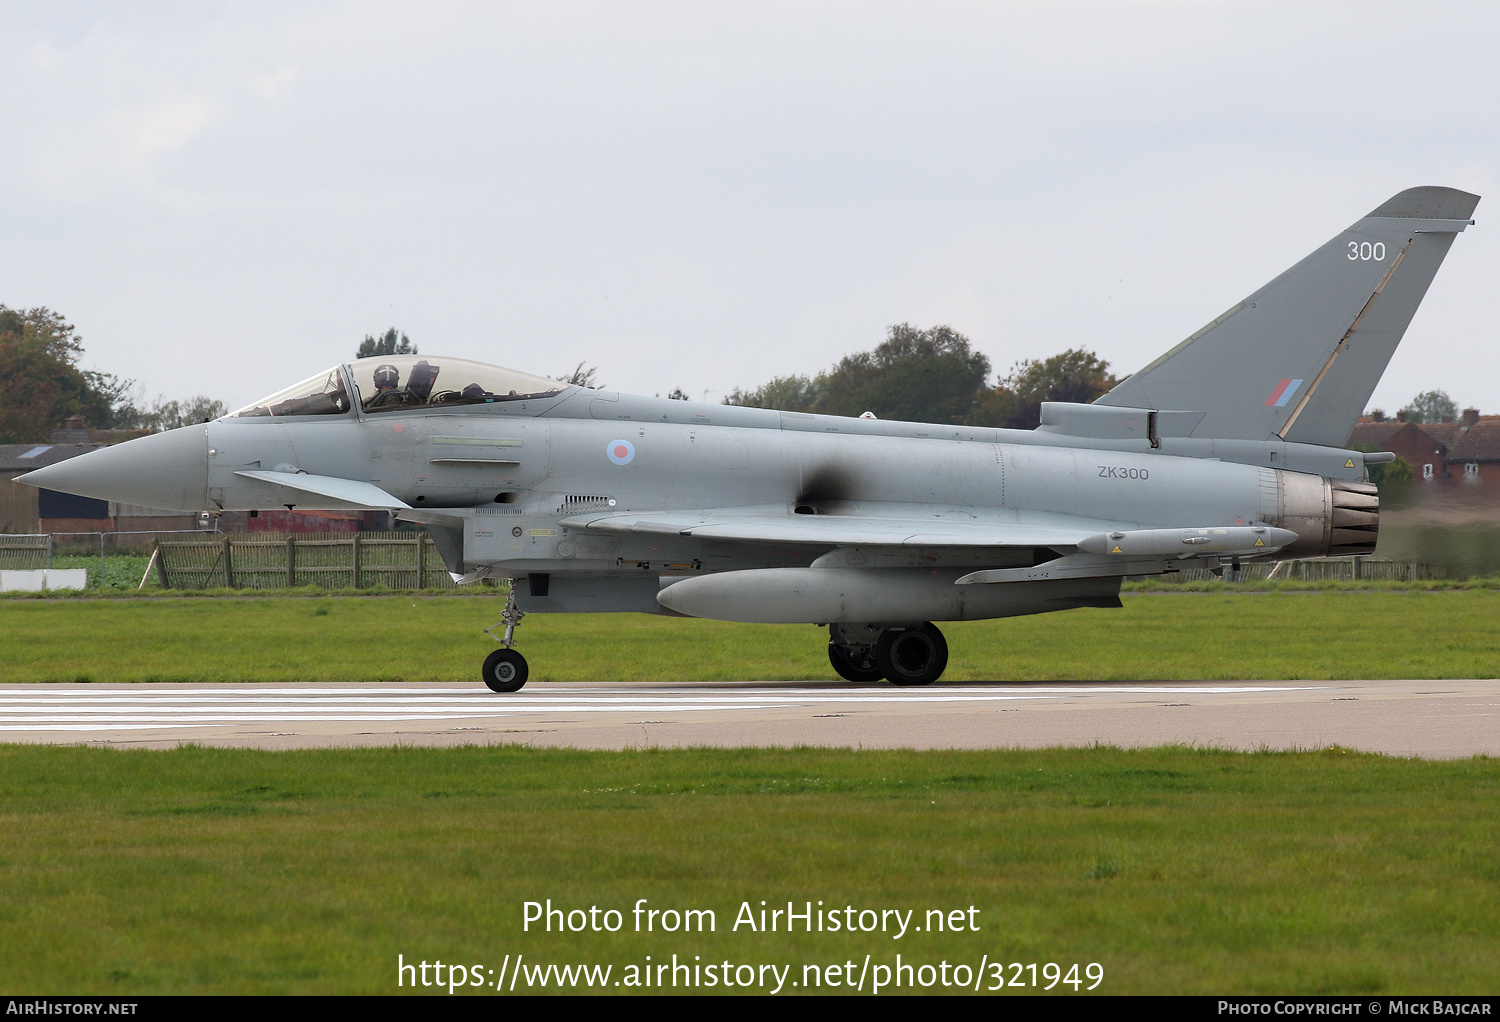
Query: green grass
x=123 y=575
x=1167 y=636
x=1262 y=585
x=1178 y=870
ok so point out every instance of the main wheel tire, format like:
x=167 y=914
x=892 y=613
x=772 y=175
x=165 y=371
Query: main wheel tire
x=505 y=671
x=915 y=656
x=853 y=665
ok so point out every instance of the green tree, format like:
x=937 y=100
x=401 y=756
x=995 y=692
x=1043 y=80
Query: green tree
x=163 y=415
x=786 y=393
x=582 y=375
x=41 y=384
x=389 y=343
x=1075 y=375
x=1393 y=481
x=914 y=375
x=936 y=376
x=1430 y=406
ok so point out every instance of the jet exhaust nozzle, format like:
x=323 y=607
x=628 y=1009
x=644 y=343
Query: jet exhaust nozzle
x=1331 y=517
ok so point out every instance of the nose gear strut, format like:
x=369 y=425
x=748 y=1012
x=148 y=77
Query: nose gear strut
x=505 y=669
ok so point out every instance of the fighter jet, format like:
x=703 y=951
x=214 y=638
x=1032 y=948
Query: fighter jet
x=1226 y=449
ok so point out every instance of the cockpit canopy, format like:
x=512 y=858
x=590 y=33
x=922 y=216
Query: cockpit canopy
x=395 y=382
x=404 y=381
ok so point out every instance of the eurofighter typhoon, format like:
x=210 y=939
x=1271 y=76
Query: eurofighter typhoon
x=1226 y=449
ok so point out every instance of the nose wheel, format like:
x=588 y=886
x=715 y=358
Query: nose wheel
x=505 y=669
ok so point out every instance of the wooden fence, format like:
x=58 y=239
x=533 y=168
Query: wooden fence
x=25 y=553
x=408 y=560
x=1338 y=569
x=268 y=561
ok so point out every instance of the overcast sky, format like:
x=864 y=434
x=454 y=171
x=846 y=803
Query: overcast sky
x=225 y=198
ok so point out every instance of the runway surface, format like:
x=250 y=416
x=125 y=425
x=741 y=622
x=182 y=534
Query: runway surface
x=1434 y=719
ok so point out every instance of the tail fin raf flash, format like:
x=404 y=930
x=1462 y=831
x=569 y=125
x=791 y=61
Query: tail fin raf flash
x=1299 y=358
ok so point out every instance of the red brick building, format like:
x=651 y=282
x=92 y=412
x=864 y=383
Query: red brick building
x=319 y=521
x=1450 y=459
x=1427 y=457
x=1474 y=456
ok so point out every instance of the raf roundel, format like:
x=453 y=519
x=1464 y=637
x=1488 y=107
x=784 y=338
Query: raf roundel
x=621 y=452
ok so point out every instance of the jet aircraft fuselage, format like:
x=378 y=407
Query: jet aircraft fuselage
x=1228 y=448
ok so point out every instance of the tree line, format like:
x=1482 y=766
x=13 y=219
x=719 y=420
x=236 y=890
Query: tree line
x=42 y=385
x=914 y=375
x=935 y=375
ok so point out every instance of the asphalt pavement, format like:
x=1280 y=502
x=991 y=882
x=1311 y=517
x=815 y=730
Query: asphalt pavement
x=1431 y=719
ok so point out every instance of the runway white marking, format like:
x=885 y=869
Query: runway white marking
x=88 y=709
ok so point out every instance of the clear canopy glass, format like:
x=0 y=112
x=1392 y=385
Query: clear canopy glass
x=391 y=383
x=323 y=394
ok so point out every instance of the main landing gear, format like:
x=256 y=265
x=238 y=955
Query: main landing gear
x=915 y=655
x=852 y=663
x=505 y=670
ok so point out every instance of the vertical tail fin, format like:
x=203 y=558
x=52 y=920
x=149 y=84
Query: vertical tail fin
x=1299 y=358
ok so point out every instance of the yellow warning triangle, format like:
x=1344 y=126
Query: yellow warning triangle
x=1259 y=543
x=1116 y=549
x=1349 y=463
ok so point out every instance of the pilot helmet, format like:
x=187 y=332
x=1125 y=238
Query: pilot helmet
x=386 y=376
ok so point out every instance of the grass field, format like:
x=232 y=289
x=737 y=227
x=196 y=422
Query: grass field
x=1167 y=636
x=212 y=870
x=1175 y=870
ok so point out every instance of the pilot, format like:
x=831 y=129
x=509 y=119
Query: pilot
x=387 y=391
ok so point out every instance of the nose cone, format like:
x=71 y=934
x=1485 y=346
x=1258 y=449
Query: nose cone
x=168 y=470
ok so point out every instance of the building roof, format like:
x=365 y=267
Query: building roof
x=25 y=457
x=1374 y=434
x=1408 y=440
x=1455 y=441
x=1481 y=442
x=1445 y=433
x=73 y=431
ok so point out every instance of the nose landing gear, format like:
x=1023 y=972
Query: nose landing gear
x=505 y=669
